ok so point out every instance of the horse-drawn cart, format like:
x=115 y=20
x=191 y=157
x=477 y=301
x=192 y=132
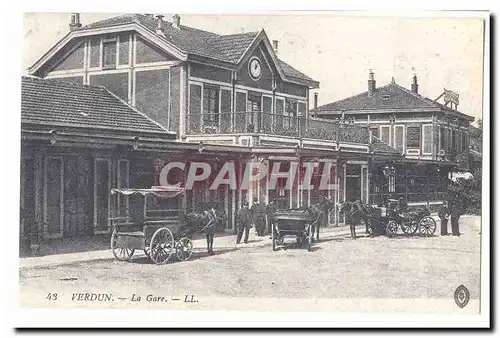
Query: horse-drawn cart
x=297 y=223
x=155 y=231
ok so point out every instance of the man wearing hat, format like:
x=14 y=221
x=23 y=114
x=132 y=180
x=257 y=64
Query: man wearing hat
x=259 y=217
x=244 y=222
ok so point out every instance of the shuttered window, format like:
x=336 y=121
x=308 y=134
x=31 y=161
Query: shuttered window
x=109 y=54
x=427 y=144
x=442 y=138
x=385 y=134
x=399 y=141
x=413 y=137
x=210 y=105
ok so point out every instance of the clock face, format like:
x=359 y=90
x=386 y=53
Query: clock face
x=255 y=68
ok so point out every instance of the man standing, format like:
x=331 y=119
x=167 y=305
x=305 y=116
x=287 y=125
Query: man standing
x=457 y=207
x=444 y=215
x=271 y=209
x=244 y=222
x=259 y=217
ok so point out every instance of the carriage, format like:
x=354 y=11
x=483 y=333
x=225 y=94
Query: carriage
x=138 y=224
x=393 y=218
x=296 y=223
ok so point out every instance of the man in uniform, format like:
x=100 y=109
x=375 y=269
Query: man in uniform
x=457 y=207
x=444 y=215
x=271 y=209
x=259 y=217
x=244 y=222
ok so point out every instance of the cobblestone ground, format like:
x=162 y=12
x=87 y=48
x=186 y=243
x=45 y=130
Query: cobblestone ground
x=337 y=267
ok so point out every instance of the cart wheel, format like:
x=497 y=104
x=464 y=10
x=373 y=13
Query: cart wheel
x=162 y=246
x=184 y=249
x=427 y=226
x=119 y=250
x=309 y=238
x=391 y=228
x=369 y=229
x=409 y=229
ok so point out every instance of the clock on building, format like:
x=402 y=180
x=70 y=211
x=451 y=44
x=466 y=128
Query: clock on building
x=255 y=68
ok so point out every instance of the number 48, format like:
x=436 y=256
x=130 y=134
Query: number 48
x=51 y=296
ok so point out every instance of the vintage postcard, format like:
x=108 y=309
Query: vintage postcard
x=326 y=164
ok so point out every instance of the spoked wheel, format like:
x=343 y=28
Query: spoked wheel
x=120 y=252
x=409 y=229
x=427 y=226
x=184 y=249
x=162 y=246
x=366 y=227
x=300 y=239
x=277 y=239
x=391 y=228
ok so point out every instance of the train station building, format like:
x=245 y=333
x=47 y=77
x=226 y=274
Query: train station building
x=114 y=101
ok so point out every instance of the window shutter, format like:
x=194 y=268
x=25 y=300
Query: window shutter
x=399 y=142
x=427 y=139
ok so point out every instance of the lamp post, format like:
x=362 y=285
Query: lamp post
x=389 y=173
x=158 y=165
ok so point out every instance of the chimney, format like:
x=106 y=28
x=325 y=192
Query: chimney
x=159 y=26
x=315 y=101
x=371 y=84
x=414 y=85
x=275 y=46
x=176 y=21
x=75 y=21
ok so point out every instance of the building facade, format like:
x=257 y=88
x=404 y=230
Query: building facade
x=208 y=97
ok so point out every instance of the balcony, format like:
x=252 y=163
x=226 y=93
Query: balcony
x=259 y=123
x=456 y=156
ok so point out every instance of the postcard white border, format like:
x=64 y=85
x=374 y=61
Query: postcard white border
x=131 y=318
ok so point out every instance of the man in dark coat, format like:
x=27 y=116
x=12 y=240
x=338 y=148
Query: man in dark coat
x=444 y=215
x=271 y=209
x=259 y=217
x=457 y=207
x=244 y=222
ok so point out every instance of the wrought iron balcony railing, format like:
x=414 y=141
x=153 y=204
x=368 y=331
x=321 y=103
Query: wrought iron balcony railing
x=276 y=125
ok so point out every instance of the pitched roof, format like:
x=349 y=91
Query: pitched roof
x=229 y=48
x=391 y=96
x=59 y=103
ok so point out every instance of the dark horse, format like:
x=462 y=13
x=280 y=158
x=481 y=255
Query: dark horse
x=355 y=212
x=208 y=222
x=318 y=212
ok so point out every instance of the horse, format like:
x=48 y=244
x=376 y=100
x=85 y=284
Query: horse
x=208 y=222
x=354 y=212
x=318 y=212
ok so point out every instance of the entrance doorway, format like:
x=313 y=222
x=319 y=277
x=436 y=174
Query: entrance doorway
x=53 y=199
x=353 y=182
x=102 y=189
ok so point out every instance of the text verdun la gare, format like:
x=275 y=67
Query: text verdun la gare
x=134 y=297
x=252 y=173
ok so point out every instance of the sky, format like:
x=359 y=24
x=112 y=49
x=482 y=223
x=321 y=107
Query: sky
x=338 y=51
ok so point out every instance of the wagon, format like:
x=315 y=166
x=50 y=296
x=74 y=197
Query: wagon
x=418 y=220
x=409 y=221
x=139 y=223
x=296 y=223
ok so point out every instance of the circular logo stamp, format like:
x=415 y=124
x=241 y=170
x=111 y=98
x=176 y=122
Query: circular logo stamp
x=462 y=296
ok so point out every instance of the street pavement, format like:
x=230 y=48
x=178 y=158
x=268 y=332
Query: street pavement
x=337 y=267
